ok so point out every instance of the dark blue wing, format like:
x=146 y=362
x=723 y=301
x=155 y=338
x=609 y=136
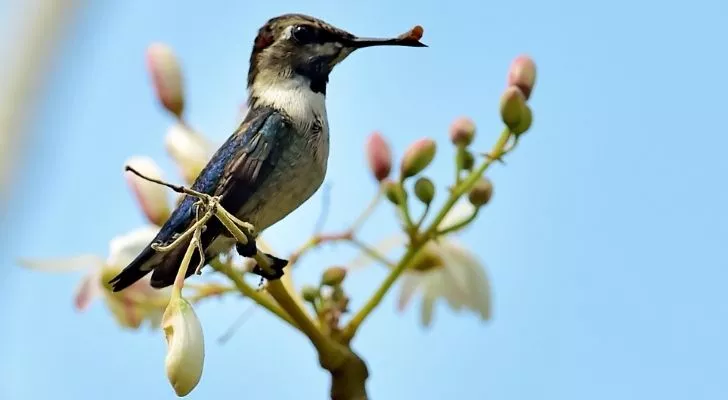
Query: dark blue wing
x=234 y=172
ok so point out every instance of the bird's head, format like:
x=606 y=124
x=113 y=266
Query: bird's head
x=306 y=49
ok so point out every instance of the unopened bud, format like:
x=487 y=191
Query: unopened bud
x=525 y=122
x=333 y=276
x=522 y=74
x=462 y=131
x=512 y=106
x=465 y=160
x=425 y=190
x=189 y=150
x=417 y=157
x=379 y=156
x=394 y=192
x=152 y=197
x=481 y=192
x=309 y=293
x=167 y=77
x=185 y=346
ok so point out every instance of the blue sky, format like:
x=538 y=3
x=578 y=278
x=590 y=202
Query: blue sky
x=605 y=240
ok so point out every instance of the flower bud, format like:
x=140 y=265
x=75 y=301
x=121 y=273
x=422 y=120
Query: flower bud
x=333 y=276
x=167 y=77
x=417 y=157
x=379 y=156
x=152 y=197
x=462 y=131
x=189 y=150
x=522 y=74
x=394 y=192
x=465 y=160
x=481 y=192
x=185 y=346
x=309 y=293
x=525 y=122
x=425 y=190
x=512 y=106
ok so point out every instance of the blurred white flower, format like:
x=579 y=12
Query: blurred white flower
x=443 y=269
x=132 y=306
x=189 y=150
x=152 y=197
x=185 y=345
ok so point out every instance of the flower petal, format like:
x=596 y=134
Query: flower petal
x=455 y=275
x=427 y=310
x=481 y=286
x=383 y=247
x=410 y=282
x=459 y=213
x=126 y=312
x=77 y=263
x=155 y=318
x=188 y=149
x=478 y=287
x=151 y=196
x=88 y=289
x=124 y=248
x=455 y=292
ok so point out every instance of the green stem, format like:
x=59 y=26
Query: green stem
x=179 y=279
x=353 y=325
x=423 y=216
x=329 y=354
x=404 y=209
x=249 y=291
x=459 y=157
x=459 y=225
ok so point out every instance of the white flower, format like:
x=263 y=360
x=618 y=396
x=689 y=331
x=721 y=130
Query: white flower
x=185 y=345
x=131 y=306
x=190 y=150
x=152 y=197
x=442 y=269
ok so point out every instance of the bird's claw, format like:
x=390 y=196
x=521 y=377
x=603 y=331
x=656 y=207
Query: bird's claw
x=276 y=265
x=247 y=250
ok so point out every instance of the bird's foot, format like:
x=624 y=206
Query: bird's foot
x=247 y=250
x=276 y=265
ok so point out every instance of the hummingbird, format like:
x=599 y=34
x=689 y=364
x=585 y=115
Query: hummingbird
x=277 y=157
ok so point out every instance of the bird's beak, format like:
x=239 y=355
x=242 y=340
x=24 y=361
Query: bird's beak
x=409 y=39
x=359 y=43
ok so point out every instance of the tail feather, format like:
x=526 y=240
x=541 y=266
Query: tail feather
x=165 y=272
x=135 y=271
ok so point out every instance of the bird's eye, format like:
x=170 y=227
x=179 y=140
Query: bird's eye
x=304 y=34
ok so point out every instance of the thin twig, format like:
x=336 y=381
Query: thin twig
x=236 y=325
x=324 y=213
x=176 y=188
x=367 y=211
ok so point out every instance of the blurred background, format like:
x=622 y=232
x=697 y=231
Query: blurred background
x=604 y=243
